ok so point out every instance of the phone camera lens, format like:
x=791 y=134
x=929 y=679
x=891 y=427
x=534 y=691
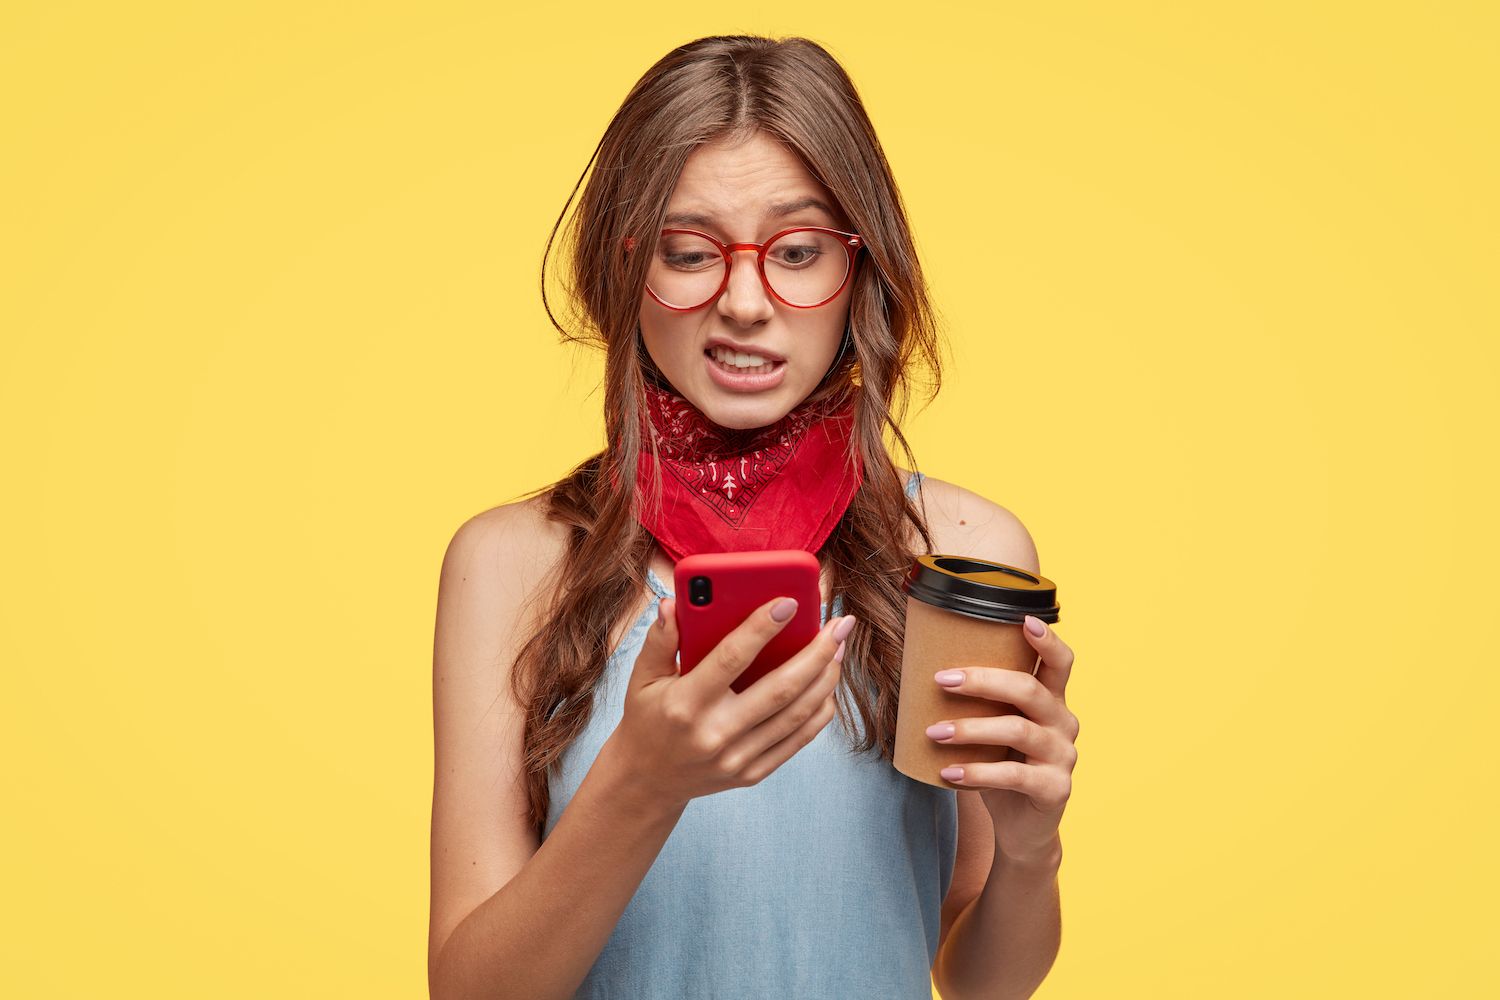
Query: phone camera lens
x=700 y=591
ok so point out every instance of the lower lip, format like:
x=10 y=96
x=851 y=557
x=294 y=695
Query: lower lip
x=747 y=382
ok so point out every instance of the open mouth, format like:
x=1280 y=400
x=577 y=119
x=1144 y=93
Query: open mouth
x=740 y=363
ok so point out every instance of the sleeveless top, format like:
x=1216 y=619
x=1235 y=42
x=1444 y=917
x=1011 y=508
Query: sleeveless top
x=822 y=882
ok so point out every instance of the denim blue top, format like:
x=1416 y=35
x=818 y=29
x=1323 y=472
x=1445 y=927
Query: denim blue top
x=822 y=882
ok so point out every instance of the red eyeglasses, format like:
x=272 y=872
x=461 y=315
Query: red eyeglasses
x=804 y=268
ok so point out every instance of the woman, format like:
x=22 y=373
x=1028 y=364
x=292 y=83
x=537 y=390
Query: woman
x=605 y=827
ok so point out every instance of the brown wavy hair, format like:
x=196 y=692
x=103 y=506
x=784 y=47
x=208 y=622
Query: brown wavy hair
x=727 y=87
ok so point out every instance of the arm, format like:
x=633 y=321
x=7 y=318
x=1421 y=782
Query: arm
x=1004 y=942
x=1005 y=935
x=542 y=932
x=513 y=916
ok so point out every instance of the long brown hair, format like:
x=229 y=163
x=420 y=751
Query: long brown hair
x=712 y=88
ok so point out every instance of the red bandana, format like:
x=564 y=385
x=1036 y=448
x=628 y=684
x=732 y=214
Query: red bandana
x=783 y=486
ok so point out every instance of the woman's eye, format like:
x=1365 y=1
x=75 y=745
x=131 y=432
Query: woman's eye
x=686 y=259
x=797 y=255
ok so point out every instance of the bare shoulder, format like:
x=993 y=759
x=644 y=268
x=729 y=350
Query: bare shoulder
x=519 y=534
x=964 y=523
x=495 y=563
x=502 y=557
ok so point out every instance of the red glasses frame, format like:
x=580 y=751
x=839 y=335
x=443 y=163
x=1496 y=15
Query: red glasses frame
x=851 y=243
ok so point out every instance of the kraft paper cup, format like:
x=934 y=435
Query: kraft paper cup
x=961 y=612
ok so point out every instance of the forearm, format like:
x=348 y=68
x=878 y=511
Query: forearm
x=541 y=933
x=1002 y=945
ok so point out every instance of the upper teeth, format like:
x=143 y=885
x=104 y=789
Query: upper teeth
x=738 y=358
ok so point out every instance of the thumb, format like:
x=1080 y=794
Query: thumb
x=658 y=655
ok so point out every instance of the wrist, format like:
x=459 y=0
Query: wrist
x=1047 y=857
x=627 y=790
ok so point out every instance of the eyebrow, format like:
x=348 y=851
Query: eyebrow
x=777 y=210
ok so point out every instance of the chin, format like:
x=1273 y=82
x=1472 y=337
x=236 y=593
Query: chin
x=744 y=412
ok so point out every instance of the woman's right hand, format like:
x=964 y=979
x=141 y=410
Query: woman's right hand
x=688 y=735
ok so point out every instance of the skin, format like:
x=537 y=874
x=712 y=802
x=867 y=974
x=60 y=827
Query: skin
x=1004 y=942
x=735 y=186
x=494 y=882
x=1009 y=814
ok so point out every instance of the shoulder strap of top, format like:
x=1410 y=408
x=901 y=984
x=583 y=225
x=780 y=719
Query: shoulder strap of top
x=654 y=581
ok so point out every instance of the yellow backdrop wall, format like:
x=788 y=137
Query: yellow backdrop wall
x=1217 y=281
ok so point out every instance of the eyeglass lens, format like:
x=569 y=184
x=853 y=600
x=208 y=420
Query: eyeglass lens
x=804 y=268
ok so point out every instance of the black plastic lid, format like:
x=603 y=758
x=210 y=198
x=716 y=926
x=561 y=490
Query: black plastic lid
x=979 y=588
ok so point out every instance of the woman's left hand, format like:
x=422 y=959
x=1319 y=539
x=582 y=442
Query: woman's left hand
x=1025 y=797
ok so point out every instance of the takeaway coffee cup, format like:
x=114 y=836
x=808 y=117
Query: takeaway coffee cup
x=961 y=612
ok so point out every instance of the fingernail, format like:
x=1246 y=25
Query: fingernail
x=949 y=678
x=1035 y=627
x=842 y=629
x=952 y=773
x=783 y=609
x=661 y=618
x=941 y=730
x=838 y=654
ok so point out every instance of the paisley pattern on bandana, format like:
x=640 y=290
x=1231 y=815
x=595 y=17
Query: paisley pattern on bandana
x=727 y=469
x=781 y=486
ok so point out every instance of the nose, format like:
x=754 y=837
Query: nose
x=746 y=300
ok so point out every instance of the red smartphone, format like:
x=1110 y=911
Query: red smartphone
x=716 y=591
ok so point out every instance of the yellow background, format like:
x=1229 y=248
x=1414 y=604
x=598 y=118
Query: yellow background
x=1218 y=286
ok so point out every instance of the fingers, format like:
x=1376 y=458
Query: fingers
x=789 y=721
x=1056 y=656
x=1012 y=687
x=658 y=655
x=779 y=688
x=783 y=750
x=737 y=650
x=1040 y=744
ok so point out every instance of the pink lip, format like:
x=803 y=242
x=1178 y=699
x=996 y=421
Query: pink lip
x=745 y=383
